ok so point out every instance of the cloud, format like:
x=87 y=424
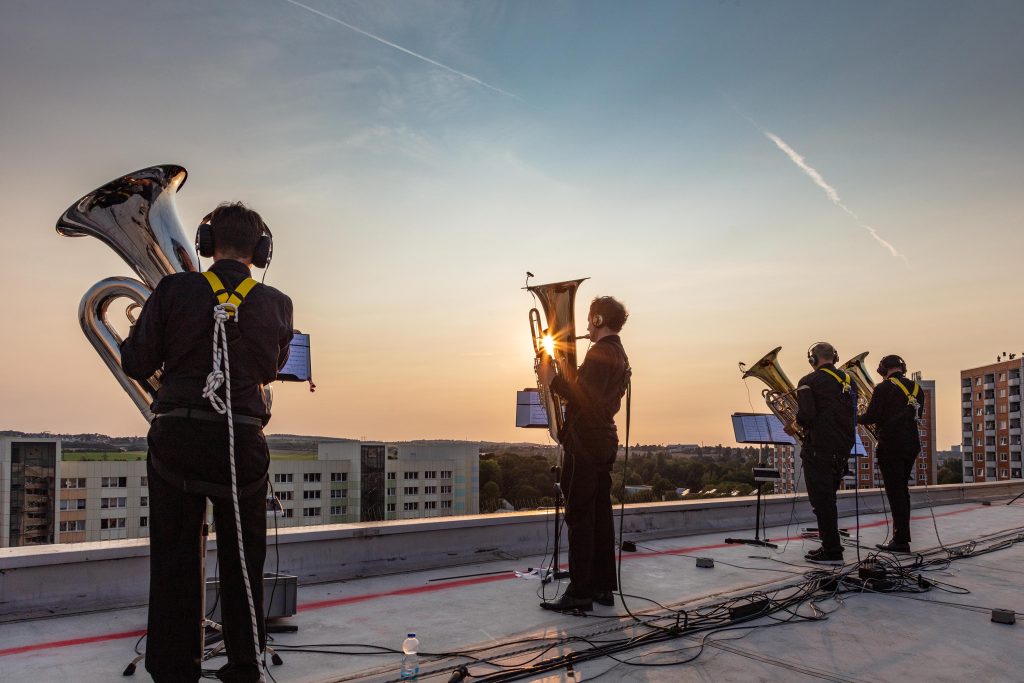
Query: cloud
x=407 y=51
x=830 y=191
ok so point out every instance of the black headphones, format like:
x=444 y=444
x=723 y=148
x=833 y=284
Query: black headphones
x=812 y=359
x=889 y=362
x=261 y=255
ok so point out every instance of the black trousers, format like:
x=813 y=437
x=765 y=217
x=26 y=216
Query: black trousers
x=198 y=450
x=588 y=516
x=896 y=466
x=823 y=473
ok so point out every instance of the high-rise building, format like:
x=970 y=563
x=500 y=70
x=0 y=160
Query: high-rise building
x=990 y=413
x=28 y=475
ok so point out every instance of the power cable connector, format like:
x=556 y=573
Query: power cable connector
x=461 y=673
x=1004 y=616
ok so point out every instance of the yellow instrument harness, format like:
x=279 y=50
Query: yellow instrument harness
x=844 y=380
x=224 y=295
x=911 y=395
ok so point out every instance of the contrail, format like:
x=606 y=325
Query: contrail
x=428 y=60
x=830 y=191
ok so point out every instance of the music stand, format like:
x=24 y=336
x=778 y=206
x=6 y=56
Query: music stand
x=762 y=429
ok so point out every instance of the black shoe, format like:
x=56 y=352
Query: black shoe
x=569 y=603
x=606 y=598
x=821 y=556
x=894 y=547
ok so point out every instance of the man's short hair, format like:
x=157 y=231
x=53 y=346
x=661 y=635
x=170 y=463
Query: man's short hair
x=613 y=313
x=236 y=229
x=824 y=351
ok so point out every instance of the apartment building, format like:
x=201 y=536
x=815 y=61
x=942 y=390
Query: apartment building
x=44 y=499
x=990 y=413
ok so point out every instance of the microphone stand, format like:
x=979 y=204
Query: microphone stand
x=554 y=572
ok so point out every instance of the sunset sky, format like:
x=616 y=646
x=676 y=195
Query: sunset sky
x=742 y=174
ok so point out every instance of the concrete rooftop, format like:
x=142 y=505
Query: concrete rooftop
x=935 y=636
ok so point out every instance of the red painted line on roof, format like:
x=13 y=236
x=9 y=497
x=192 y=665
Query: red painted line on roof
x=428 y=588
x=72 y=642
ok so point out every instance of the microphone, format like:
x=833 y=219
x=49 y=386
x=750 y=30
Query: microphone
x=583 y=336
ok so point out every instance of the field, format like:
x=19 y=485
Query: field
x=140 y=455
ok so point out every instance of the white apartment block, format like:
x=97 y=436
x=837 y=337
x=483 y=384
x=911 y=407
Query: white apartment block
x=44 y=499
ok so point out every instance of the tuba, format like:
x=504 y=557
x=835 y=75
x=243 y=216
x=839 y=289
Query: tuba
x=780 y=394
x=555 y=336
x=136 y=217
x=861 y=376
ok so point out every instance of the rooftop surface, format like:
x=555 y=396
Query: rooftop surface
x=932 y=636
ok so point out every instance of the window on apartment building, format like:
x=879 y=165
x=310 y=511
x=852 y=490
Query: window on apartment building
x=1002 y=424
x=430 y=474
x=1003 y=457
x=143 y=521
x=1002 y=393
x=73 y=504
x=311 y=477
x=73 y=525
x=113 y=523
x=339 y=476
x=339 y=493
x=114 y=482
x=288 y=513
x=446 y=489
x=78 y=483
x=446 y=504
x=311 y=495
x=143 y=501
x=1003 y=441
x=392 y=491
x=282 y=478
x=430 y=505
x=1002 y=408
x=410 y=506
x=285 y=495
x=338 y=510
x=412 y=490
x=446 y=474
x=390 y=507
x=113 y=502
x=144 y=481
x=310 y=512
x=411 y=475
x=392 y=475
x=429 y=490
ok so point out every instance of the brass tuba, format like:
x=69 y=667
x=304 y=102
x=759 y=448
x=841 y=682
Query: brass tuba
x=135 y=216
x=780 y=394
x=861 y=376
x=555 y=336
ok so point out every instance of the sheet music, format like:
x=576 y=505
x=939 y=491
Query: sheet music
x=530 y=411
x=299 y=367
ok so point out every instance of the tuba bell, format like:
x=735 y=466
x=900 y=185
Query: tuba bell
x=555 y=336
x=780 y=396
x=134 y=215
x=859 y=374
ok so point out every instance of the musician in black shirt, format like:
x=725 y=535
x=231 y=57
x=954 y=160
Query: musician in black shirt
x=828 y=414
x=895 y=407
x=591 y=444
x=188 y=446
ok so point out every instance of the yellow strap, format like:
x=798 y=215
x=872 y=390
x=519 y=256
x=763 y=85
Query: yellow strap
x=225 y=296
x=911 y=396
x=845 y=381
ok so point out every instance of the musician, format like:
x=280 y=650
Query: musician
x=188 y=446
x=591 y=444
x=894 y=410
x=828 y=413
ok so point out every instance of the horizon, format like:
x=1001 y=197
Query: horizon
x=742 y=176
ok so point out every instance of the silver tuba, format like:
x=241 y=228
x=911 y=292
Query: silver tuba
x=780 y=396
x=134 y=215
x=555 y=336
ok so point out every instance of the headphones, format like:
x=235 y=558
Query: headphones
x=889 y=362
x=812 y=359
x=597 y=320
x=261 y=255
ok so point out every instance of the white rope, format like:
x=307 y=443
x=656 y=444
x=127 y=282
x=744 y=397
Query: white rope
x=217 y=378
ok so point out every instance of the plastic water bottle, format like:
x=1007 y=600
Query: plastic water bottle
x=410 y=660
